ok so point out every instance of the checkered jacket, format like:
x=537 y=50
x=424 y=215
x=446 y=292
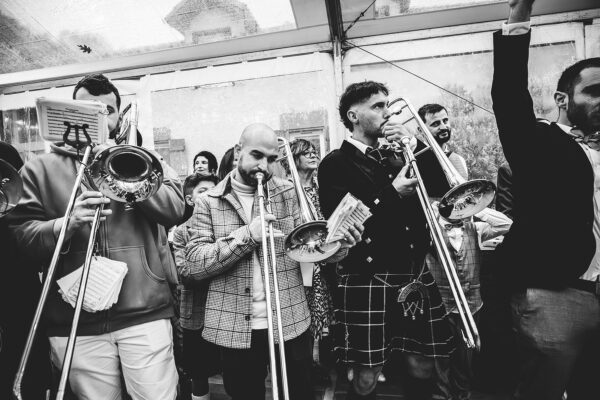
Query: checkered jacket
x=221 y=248
x=467 y=263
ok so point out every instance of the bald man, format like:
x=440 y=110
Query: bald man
x=225 y=247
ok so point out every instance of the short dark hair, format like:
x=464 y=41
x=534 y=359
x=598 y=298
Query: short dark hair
x=210 y=157
x=97 y=84
x=193 y=180
x=572 y=75
x=432 y=108
x=357 y=93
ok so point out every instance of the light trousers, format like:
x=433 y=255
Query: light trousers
x=142 y=353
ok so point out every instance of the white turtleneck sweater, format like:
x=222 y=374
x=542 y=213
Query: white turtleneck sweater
x=246 y=195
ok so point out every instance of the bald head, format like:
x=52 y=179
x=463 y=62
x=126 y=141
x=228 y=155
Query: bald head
x=259 y=150
x=258 y=134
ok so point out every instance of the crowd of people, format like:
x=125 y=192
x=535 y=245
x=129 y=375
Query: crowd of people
x=195 y=300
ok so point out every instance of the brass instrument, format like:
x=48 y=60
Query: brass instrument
x=127 y=173
x=306 y=243
x=464 y=199
x=271 y=258
x=124 y=173
x=11 y=188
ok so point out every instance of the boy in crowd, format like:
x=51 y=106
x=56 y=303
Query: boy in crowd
x=192 y=300
x=463 y=239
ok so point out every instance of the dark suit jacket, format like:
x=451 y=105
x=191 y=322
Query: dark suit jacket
x=551 y=242
x=504 y=191
x=395 y=238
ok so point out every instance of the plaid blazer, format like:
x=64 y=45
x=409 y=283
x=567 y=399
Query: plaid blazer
x=221 y=248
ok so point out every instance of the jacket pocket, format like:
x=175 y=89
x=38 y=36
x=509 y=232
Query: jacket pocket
x=142 y=288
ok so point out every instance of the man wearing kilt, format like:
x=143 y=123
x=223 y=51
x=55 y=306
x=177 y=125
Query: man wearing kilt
x=371 y=322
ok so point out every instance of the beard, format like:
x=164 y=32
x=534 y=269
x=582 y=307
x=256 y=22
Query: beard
x=582 y=118
x=443 y=136
x=249 y=177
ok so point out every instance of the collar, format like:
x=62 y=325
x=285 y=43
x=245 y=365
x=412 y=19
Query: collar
x=565 y=128
x=359 y=145
x=240 y=187
x=451 y=224
x=276 y=186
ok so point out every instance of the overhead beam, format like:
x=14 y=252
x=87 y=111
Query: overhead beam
x=458 y=16
x=334 y=16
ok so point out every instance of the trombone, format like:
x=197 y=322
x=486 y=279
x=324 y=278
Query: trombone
x=11 y=187
x=306 y=243
x=463 y=200
x=266 y=268
x=124 y=173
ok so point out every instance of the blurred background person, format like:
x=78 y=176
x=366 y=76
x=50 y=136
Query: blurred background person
x=205 y=163
x=228 y=162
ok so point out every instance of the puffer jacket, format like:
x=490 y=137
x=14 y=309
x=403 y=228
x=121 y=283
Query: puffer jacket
x=136 y=236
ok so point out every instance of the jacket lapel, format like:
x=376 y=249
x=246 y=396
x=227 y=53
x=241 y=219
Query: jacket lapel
x=364 y=164
x=224 y=191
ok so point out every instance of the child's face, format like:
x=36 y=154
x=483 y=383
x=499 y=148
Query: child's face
x=198 y=190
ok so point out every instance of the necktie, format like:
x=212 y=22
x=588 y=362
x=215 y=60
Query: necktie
x=592 y=141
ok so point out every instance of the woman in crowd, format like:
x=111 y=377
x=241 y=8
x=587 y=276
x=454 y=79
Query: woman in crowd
x=306 y=160
x=205 y=163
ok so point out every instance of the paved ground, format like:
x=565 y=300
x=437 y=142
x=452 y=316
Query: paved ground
x=386 y=391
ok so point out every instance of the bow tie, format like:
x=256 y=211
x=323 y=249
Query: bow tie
x=592 y=141
x=450 y=225
x=380 y=153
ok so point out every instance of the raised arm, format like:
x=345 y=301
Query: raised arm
x=510 y=95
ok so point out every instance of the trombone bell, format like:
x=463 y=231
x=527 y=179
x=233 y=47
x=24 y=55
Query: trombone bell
x=126 y=173
x=467 y=199
x=11 y=188
x=306 y=243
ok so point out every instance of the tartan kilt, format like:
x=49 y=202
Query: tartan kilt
x=370 y=323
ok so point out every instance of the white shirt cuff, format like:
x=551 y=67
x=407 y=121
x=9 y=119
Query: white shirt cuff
x=517 y=28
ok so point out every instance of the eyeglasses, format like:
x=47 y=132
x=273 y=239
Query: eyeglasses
x=309 y=153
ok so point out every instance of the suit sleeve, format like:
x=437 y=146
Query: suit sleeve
x=504 y=195
x=512 y=102
x=206 y=256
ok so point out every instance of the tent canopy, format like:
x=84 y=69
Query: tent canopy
x=47 y=41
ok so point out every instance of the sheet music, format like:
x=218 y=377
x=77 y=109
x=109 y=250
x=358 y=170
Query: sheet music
x=103 y=287
x=56 y=116
x=349 y=211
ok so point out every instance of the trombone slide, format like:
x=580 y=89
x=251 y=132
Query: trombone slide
x=470 y=331
x=272 y=258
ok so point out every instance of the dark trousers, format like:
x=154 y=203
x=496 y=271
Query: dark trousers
x=557 y=338
x=245 y=370
x=455 y=374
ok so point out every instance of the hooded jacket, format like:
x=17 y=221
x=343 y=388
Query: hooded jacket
x=136 y=237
